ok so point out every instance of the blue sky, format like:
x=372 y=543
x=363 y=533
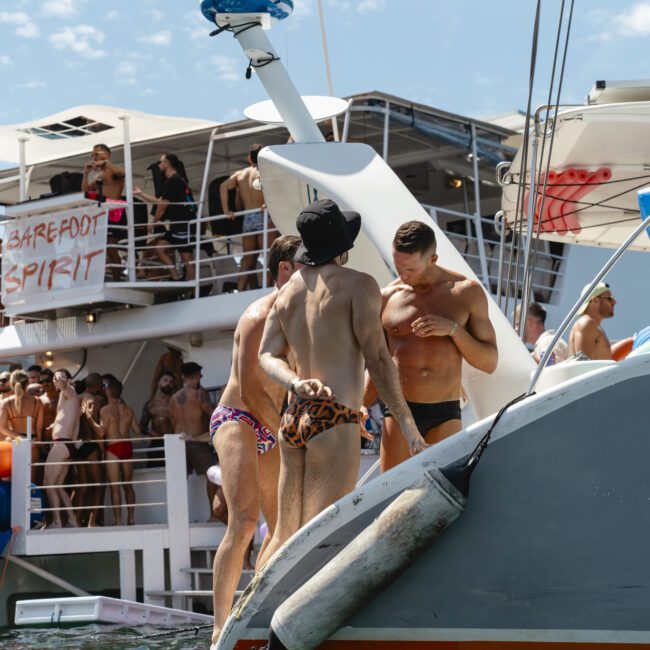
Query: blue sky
x=465 y=56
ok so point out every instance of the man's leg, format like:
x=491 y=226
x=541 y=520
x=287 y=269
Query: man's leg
x=235 y=445
x=290 y=484
x=248 y=262
x=188 y=263
x=162 y=253
x=331 y=468
x=219 y=507
x=394 y=449
x=81 y=495
x=269 y=464
x=95 y=494
x=442 y=431
x=114 y=262
x=129 y=492
x=55 y=475
x=113 y=476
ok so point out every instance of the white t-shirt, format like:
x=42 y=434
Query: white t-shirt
x=560 y=351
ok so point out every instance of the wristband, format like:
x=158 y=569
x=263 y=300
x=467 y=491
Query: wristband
x=454 y=327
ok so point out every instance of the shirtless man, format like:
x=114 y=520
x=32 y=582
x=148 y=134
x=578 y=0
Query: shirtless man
x=433 y=318
x=587 y=335
x=190 y=409
x=108 y=181
x=246 y=182
x=90 y=451
x=65 y=431
x=243 y=428
x=116 y=420
x=327 y=318
x=156 y=419
x=49 y=399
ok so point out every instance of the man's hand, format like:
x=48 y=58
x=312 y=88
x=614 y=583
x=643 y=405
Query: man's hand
x=89 y=166
x=312 y=389
x=431 y=325
x=415 y=441
x=364 y=418
x=137 y=191
x=230 y=215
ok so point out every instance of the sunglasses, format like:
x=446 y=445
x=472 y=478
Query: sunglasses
x=4 y=380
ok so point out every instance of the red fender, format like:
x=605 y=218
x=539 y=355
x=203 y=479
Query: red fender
x=594 y=179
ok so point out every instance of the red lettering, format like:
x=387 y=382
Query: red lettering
x=26 y=238
x=59 y=267
x=40 y=273
x=9 y=277
x=96 y=218
x=84 y=226
x=89 y=258
x=63 y=228
x=28 y=271
x=13 y=241
x=39 y=231
x=74 y=227
x=76 y=268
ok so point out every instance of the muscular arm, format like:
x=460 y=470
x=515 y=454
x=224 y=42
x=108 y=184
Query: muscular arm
x=477 y=344
x=174 y=414
x=251 y=388
x=204 y=399
x=274 y=352
x=224 y=188
x=4 y=421
x=369 y=389
x=366 y=323
x=134 y=424
x=145 y=420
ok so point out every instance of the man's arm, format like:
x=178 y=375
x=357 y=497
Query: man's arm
x=4 y=421
x=251 y=389
x=145 y=420
x=224 y=188
x=368 y=330
x=173 y=413
x=477 y=341
x=206 y=404
x=134 y=423
x=585 y=337
x=115 y=170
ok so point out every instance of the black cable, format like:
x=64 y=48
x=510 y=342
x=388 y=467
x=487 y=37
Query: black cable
x=195 y=628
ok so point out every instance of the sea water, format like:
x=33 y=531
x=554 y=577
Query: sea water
x=110 y=637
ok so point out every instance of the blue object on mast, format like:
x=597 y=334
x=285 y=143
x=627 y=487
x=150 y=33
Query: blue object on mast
x=643 y=197
x=278 y=9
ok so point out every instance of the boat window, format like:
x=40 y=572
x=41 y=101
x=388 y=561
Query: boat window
x=72 y=128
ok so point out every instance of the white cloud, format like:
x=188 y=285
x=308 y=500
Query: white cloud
x=32 y=85
x=635 y=22
x=80 y=39
x=126 y=72
x=228 y=68
x=157 y=15
x=163 y=38
x=5 y=61
x=62 y=8
x=371 y=5
x=302 y=9
x=112 y=15
x=25 y=27
x=198 y=28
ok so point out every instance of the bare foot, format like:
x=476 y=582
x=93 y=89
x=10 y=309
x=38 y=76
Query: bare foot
x=55 y=524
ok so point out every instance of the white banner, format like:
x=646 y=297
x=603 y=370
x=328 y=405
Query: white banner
x=45 y=255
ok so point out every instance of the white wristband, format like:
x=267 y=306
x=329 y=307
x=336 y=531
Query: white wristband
x=454 y=327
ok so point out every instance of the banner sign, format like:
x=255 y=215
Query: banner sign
x=45 y=255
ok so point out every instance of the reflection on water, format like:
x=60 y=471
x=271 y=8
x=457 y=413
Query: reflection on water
x=115 y=637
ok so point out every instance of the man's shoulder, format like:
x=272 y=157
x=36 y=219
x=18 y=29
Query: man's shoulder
x=585 y=324
x=258 y=311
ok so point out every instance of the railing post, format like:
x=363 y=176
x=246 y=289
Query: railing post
x=477 y=210
x=197 y=254
x=130 y=215
x=433 y=213
x=386 y=127
x=177 y=513
x=22 y=163
x=346 y=122
x=265 y=248
x=21 y=473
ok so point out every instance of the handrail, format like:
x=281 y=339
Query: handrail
x=574 y=310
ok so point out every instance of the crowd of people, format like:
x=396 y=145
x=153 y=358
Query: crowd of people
x=83 y=431
x=174 y=205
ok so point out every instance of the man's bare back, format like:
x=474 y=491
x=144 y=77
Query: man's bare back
x=251 y=197
x=117 y=419
x=188 y=409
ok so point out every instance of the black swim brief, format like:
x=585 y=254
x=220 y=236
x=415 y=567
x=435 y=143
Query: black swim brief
x=427 y=416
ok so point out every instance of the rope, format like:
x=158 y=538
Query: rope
x=195 y=628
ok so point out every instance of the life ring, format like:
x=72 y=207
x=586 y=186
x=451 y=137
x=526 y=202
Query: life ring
x=622 y=348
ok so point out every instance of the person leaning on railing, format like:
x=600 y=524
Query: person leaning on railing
x=176 y=205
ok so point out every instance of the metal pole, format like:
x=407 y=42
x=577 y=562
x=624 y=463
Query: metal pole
x=136 y=356
x=502 y=245
x=346 y=122
x=330 y=87
x=523 y=311
x=206 y=174
x=477 y=208
x=22 y=167
x=265 y=245
x=386 y=126
x=599 y=276
x=130 y=216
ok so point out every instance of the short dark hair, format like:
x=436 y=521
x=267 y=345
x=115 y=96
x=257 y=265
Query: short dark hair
x=34 y=368
x=94 y=380
x=283 y=250
x=105 y=147
x=167 y=373
x=114 y=388
x=253 y=152
x=190 y=369
x=65 y=371
x=537 y=311
x=414 y=237
x=46 y=372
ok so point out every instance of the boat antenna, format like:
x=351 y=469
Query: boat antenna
x=328 y=73
x=459 y=473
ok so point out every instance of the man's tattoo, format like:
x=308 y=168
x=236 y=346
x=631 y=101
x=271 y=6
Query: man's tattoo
x=182 y=397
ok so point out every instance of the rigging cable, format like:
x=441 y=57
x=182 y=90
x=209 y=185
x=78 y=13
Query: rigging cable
x=531 y=262
x=524 y=156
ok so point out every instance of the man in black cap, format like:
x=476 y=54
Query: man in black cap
x=326 y=318
x=190 y=409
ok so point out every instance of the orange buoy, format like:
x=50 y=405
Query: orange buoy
x=5 y=459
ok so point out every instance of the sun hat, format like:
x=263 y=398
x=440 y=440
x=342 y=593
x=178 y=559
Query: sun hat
x=598 y=290
x=326 y=232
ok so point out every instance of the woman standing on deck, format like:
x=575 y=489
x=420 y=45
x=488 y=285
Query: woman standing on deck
x=14 y=412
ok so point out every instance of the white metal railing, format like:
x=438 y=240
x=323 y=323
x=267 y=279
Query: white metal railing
x=549 y=266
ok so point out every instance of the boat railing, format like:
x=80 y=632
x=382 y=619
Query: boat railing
x=460 y=229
